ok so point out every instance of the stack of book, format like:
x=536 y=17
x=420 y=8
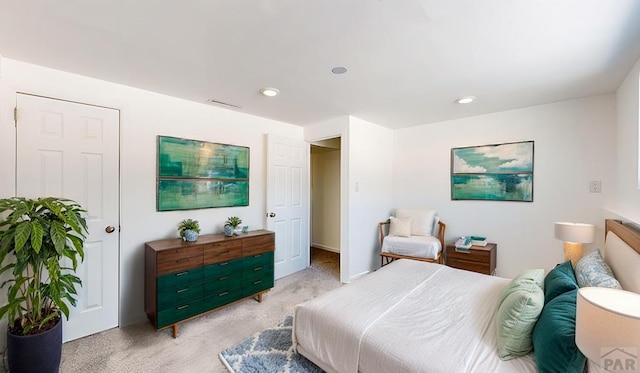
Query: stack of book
x=479 y=241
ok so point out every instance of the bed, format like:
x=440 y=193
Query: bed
x=413 y=316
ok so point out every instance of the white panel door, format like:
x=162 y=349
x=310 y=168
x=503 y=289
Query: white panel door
x=288 y=202
x=70 y=150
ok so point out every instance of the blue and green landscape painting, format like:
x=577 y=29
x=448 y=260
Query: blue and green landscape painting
x=502 y=172
x=197 y=174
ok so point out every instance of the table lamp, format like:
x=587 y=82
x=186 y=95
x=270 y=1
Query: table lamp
x=608 y=328
x=574 y=235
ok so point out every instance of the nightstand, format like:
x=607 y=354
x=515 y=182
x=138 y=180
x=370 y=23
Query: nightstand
x=477 y=259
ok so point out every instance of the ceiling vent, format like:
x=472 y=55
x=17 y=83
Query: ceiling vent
x=224 y=104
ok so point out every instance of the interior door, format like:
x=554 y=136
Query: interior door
x=70 y=150
x=288 y=202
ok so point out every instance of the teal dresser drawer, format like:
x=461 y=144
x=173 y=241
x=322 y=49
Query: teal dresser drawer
x=178 y=280
x=224 y=282
x=178 y=313
x=177 y=296
x=262 y=259
x=217 y=270
x=257 y=285
x=221 y=298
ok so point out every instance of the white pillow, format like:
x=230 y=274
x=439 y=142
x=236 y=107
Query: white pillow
x=422 y=224
x=400 y=227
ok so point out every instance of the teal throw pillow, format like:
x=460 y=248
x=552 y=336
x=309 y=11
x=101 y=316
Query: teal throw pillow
x=554 y=337
x=559 y=280
x=516 y=318
x=592 y=270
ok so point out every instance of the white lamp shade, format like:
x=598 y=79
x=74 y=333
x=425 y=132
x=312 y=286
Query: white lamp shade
x=608 y=326
x=575 y=232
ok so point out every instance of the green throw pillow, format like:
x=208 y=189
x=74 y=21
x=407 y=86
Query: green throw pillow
x=516 y=318
x=554 y=337
x=560 y=280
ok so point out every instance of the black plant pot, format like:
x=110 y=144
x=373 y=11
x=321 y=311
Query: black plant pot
x=38 y=353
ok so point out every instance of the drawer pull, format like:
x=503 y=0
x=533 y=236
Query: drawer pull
x=183 y=307
x=223 y=278
x=182 y=290
x=223 y=294
x=223 y=264
x=257 y=256
x=182 y=273
x=183 y=260
x=257 y=282
x=224 y=252
x=257 y=269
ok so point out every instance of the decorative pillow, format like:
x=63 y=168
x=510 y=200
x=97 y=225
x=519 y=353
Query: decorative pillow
x=530 y=276
x=422 y=224
x=516 y=318
x=559 y=280
x=592 y=270
x=554 y=336
x=400 y=227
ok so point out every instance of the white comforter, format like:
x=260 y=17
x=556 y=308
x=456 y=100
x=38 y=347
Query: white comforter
x=408 y=316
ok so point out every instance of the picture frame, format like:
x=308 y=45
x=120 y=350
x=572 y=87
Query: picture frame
x=494 y=172
x=193 y=174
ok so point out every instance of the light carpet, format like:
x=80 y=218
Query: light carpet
x=268 y=351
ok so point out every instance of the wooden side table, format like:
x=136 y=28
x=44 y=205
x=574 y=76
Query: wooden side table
x=477 y=259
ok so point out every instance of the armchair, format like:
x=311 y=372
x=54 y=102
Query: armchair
x=412 y=234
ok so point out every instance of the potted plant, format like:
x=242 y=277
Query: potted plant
x=35 y=237
x=189 y=229
x=232 y=223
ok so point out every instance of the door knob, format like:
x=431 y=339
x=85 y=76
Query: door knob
x=109 y=229
x=272 y=215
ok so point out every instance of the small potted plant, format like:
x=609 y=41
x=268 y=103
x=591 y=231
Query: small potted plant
x=35 y=237
x=231 y=226
x=189 y=229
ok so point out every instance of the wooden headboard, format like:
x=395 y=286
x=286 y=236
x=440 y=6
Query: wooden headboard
x=626 y=232
x=622 y=253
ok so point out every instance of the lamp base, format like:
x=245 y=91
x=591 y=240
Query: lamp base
x=573 y=251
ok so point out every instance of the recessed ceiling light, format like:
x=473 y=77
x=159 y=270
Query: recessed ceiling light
x=269 y=91
x=339 y=70
x=466 y=100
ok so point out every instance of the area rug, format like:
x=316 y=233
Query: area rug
x=268 y=351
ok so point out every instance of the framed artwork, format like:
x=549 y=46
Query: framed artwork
x=196 y=174
x=499 y=172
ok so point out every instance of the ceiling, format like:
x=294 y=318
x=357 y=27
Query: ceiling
x=407 y=60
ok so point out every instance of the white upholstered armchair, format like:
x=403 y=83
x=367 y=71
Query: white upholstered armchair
x=412 y=234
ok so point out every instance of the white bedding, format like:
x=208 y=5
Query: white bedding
x=408 y=316
x=419 y=246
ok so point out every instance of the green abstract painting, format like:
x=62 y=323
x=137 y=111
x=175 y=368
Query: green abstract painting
x=500 y=172
x=198 y=174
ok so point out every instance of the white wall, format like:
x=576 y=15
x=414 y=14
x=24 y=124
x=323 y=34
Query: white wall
x=144 y=115
x=370 y=187
x=574 y=143
x=325 y=199
x=628 y=98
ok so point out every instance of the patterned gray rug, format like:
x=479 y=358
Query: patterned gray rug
x=267 y=351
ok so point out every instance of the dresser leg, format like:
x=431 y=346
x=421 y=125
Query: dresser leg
x=175 y=330
x=260 y=297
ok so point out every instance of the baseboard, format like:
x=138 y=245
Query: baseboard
x=355 y=277
x=327 y=248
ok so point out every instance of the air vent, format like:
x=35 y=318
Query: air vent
x=220 y=103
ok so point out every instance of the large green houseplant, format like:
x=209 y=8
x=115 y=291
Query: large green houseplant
x=35 y=236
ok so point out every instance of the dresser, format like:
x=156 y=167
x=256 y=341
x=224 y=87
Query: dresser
x=187 y=279
x=477 y=259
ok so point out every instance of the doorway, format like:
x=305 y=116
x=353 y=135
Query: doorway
x=325 y=197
